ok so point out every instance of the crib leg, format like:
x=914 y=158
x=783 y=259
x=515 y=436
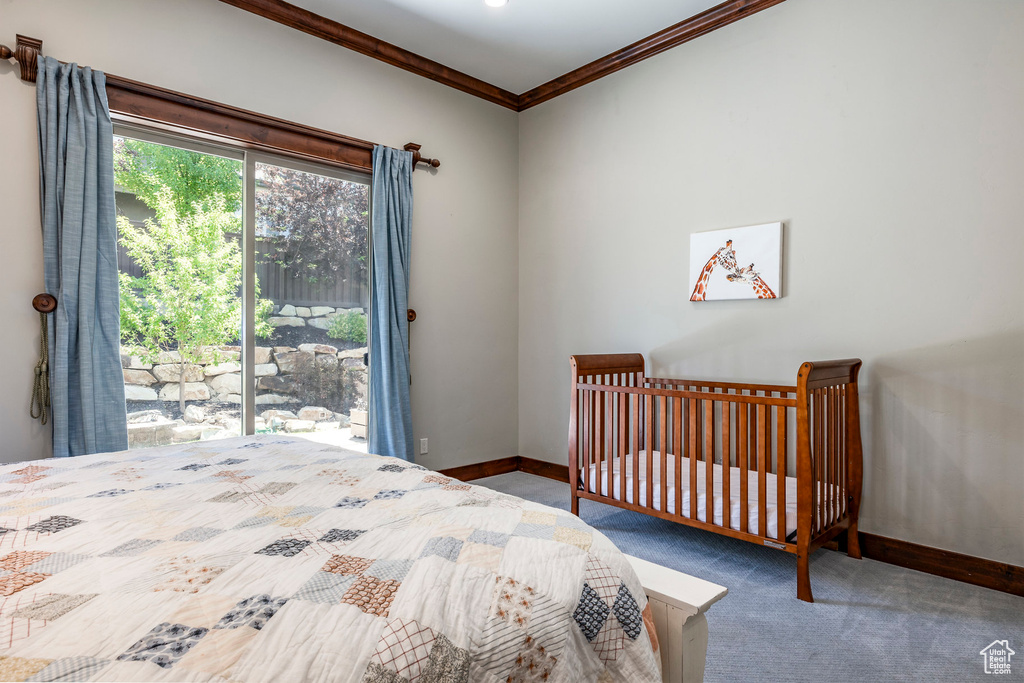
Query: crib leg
x=574 y=505
x=803 y=577
x=853 y=541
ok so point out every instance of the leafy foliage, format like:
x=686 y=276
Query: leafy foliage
x=145 y=169
x=348 y=326
x=315 y=223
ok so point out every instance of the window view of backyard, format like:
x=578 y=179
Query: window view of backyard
x=180 y=231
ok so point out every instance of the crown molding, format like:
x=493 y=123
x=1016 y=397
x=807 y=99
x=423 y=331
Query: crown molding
x=332 y=31
x=327 y=29
x=698 y=25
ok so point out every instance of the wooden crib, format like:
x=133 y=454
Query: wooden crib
x=658 y=446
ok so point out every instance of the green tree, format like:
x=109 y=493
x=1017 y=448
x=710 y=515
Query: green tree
x=145 y=169
x=187 y=297
x=315 y=224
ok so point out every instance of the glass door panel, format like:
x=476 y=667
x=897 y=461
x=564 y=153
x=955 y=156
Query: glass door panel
x=311 y=268
x=180 y=263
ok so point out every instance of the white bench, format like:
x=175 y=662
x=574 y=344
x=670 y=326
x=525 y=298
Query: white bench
x=678 y=603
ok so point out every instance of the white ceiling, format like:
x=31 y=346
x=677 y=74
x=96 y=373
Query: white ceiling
x=518 y=46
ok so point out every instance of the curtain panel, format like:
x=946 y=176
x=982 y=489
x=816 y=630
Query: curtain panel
x=76 y=174
x=390 y=428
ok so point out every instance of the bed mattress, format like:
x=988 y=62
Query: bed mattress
x=771 y=508
x=277 y=559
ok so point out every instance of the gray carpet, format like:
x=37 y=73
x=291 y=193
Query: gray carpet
x=870 y=621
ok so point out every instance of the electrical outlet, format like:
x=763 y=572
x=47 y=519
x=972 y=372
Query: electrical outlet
x=423 y=446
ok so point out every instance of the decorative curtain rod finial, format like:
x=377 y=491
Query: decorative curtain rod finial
x=26 y=53
x=418 y=158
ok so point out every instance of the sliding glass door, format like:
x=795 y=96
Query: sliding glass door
x=244 y=293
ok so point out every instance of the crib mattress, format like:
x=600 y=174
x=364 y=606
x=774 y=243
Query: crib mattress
x=771 y=504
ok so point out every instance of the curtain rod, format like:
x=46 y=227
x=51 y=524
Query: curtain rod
x=26 y=54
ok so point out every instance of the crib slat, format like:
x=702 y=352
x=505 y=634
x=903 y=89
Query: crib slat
x=636 y=448
x=726 y=465
x=835 y=454
x=742 y=443
x=599 y=437
x=780 y=468
x=677 y=451
x=842 y=449
x=827 y=464
x=586 y=438
x=818 y=421
x=648 y=440
x=762 y=471
x=709 y=461
x=622 y=399
x=694 y=407
x=663 y=450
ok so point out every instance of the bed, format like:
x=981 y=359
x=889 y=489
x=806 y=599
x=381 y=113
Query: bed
x=784 y=460
x=277 y=559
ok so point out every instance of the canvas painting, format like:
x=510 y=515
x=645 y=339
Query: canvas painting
x=736 y=263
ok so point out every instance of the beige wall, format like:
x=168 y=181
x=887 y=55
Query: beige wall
x=885 y=133
x=888 y=135
x=464 y=267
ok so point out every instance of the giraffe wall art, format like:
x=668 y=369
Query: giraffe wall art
x=736 y=263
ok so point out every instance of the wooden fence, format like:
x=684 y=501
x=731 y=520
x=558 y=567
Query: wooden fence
x=349 y=289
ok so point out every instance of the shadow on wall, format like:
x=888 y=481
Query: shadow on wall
x=942 y=426
x=944 y=463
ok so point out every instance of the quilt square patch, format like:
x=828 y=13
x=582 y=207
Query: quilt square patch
x=52 y=525
x=20 y=668
x=70 y=669
x=55 y=562
x=52 y=607
x=394 y=570
x=390 y=494
x=512 y=601
x=591 y=613
x=443 y=546
x=228 y=497
x=628 y=613
x=157 y=487
x=110 y=493
x=192 y=468
x=581 y=539
x=325 y=588
x=494 y=538
x=164 y=645
x=371 y=595
x=391 y=468
x=404 y=648
x=233 y=461
x=21 y=558
x=277 y=488
x=286 y=547
x=350 y=502
x=341 y=535
x=18 y=581
x=253 y=612
x=533 y=663
x=347 y=564
x=198 y=534
x=542 y=531
x=601 y=579
x=131 y=548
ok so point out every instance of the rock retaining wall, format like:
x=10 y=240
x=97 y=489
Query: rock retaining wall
x=213 y=390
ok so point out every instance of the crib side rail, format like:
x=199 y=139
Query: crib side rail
x=662 y=450
x=829 y=453
x=619 y=369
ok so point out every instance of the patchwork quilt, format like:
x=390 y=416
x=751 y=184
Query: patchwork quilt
x=276 y=559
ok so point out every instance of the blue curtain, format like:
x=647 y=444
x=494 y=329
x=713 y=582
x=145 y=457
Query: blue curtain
x=390 y=429
x=76 y=177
